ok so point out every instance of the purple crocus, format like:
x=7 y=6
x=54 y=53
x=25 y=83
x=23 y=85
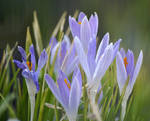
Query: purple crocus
x=127 y=70
x=84 y=29
x=30 y=74
x=67 y=94
x=95 y=64
x=66 y=59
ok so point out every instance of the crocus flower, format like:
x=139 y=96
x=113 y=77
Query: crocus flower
x=95 y=64
x=30 y=74
x=67 y=94
x=66 y=58
x=84 y=29
x=127 y=70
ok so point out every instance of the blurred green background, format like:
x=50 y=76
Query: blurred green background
x=126 y=19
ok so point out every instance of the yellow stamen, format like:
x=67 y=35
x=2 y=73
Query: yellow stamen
x=125 y=62
x=66 y=82
x=29 y=64
x=79 y=22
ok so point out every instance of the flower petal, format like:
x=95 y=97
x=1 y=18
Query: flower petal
x=130 y=65
x=63 y=88
x=81 y=16
x=116 y=47
x=121 y=72
x=122 y=52
x=42 y=60
x=22 y=52
x=51 y=84
x=19 y=64
x=74 y=97
x=52 y=42
x=74 y=27
x=91 y=55
x=53 y=52
x=94 y=24
x=137 y=68
x=82 y=58
x=27 y=74
x=104 y=43
x=35 y=80
x=33 y=61
x=70 y=61
x=85 y=33
x=103 y=64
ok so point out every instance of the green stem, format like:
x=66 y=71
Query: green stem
x=56 y=112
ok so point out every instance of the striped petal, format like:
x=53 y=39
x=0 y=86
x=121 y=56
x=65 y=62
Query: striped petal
x=82 y=57
x=85 y=33
x=42 y=60
x=103 y=63
x=121 y=72
x=22 y=52
x=74 y=27
x=51 y=84
x=81 y=16
x=33 y=61
x=104 y=43
x=19 y=64
x=94 y=24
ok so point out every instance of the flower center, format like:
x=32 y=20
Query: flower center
x=125 y=62
x=29 y=64
x=79 y=22
x=66 y=82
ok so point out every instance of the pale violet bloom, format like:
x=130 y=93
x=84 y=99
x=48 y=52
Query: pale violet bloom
x=84 y=29
x=127 y=70
x=67 y=94
x=30 y=74
x=66 y=59
x=95 y=64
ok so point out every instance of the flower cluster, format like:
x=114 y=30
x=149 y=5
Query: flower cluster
x=67 y=57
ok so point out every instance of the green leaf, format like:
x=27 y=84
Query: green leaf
x=37 y=34
x=28 y=40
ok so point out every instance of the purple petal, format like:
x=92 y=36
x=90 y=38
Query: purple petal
x=77 y=74
x=51 y=84
x=91 y=55
x=35 y=80
x=137 y=68
x=42 y=60
x=121 y=72
x=67 y=41
x=53 y=52
x=103 y=63
x=19 y=64
x=82 y=57
x=81 y=16
x=27 y=74
x=22 y=52
x=130 y=65
x=33 y=61
x=122 y=52
x=94 y=24
x=116 y=47
x=70 y=61
x=63 y=51
x=74 y=27
x=104 y=43
x=63 y=88
x=74 y=97
x=85 y=33
x=52 y=42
